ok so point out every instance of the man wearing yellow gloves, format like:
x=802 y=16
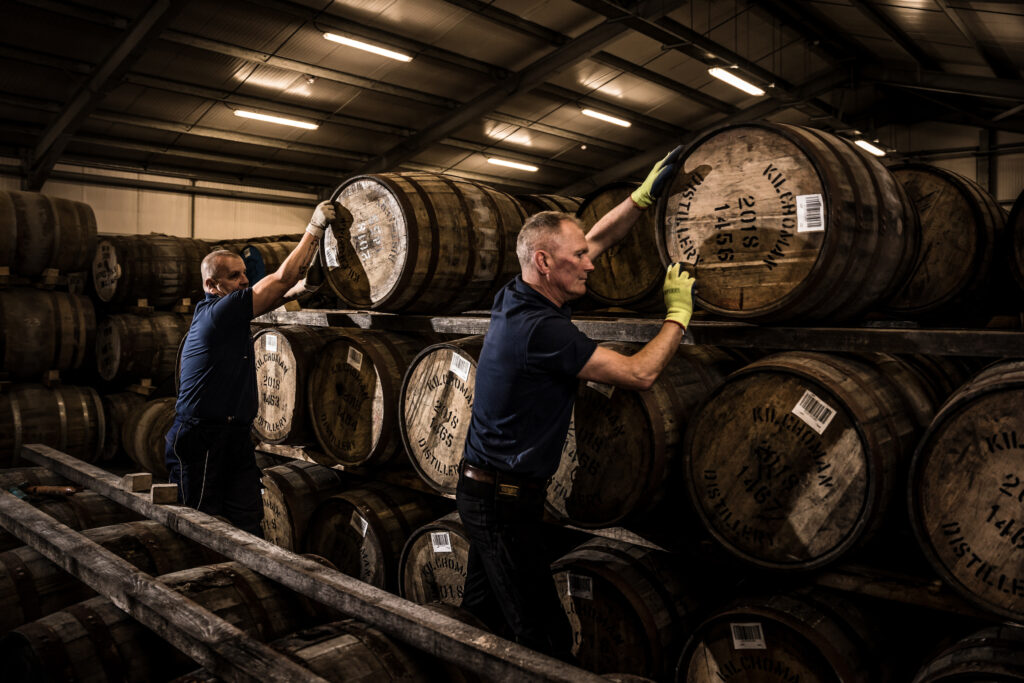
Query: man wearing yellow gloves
x=532 y=360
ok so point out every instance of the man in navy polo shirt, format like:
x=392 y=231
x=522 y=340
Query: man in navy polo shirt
x=209 y=452
x=531 y=363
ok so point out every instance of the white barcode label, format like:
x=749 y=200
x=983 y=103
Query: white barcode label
x=359 y=523
x=441 y=541
x=270 y=343
x=603 y=389
x=815 y=412
x=460 y=366
x=810 y=215
x=581 y=587
x=355 y=358
x=330 y=249
x=748 y=637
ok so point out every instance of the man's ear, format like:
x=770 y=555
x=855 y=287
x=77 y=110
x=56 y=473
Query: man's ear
x=210 y=285
x=540 y=262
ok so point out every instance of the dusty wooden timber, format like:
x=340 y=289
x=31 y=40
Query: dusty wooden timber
x=434 y=633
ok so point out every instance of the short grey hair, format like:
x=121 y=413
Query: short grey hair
x=211 y=267
x=537 y=229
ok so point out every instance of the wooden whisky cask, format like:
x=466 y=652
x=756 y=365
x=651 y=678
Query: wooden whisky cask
x=353 y=397
x=966 y=493
x=1014 y=250
x=992 y=654
x=32 y=586
x=38 y=232
x=535 y=203
x=132 y=347
x=433 y=563
x=784 y=223
x=794 y=461
x=800 y=636
x=960 y=228
x=81 y=510
x=116 y=409
x=422 y=242
x=143 y=434
x=362 y=531
x=158 y=268
x=291 y=492
x=622 y=444
x=94 y=640
x=67 y=418
x=628 y=274
x=435 y=407
x=285 y=357
x=42 y=331
x=629 y=607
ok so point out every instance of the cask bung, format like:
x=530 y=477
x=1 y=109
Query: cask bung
x=436 y=405
x=422 y=242
x=966 y=494
x=784 y=223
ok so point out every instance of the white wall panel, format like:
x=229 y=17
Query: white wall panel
x=1010 y=178
x=220 y=219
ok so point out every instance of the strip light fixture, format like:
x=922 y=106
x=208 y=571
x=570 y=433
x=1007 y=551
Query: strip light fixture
x=276 y=119
x=368 y=47
x=735 y=81
x=868 y=147
x=511 y=164
x=606 y=117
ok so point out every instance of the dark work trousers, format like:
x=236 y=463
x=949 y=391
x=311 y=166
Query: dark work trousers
x=509 y=585
x=214 y=465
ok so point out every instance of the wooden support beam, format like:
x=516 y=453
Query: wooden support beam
x=216 y=644
x=436 y=634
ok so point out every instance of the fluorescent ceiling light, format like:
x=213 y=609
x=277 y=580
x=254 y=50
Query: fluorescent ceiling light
x=276 y=119
x=360 y=45
x=605 y=117
x=735 y=81
x=511 y=164
x=867 y=146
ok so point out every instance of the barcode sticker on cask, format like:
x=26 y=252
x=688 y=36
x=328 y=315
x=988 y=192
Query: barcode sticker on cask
x=330 y=249
x=604 y=389
x=355 y=358
x=359 y=524
x=460 y=366
x=748 y=637
x=270 y=343
x=581 y=587
x=815 y=412
x=809 y=214
x=441 y=541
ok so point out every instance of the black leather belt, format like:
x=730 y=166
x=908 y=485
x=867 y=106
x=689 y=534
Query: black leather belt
x=503 y=478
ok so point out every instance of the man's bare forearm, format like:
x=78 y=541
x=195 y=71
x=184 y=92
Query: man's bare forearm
x=612 y=227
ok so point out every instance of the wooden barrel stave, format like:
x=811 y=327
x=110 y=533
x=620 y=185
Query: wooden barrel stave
x=134 y=347
x=422 y=242
x=965 y=490
x=291 y=492
x=67 y=418
x=158 y=268
x=535 y=203
x=286 y=356
x=353 y=393
x=775 y=491
x=992 y=654
x=116 y=408
x=42 y=232
x=622 y=444
x=628 y=274
x=81 y=510
x=362 y=531
x=32 y=586
x=1014 y=237
x=143 y=434
x=435 y=407
x=433 y=564
x=44 y=331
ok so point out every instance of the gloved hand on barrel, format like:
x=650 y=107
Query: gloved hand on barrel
x=678 y=292
x=657 y=179
x=328 y=213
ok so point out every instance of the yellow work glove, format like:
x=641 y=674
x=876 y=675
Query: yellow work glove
x=657 y=179
x=678 y=291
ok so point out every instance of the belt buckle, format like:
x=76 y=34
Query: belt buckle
x=510 y=490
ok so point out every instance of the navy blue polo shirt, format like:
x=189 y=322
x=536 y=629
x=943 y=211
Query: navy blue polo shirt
x=525 y=383
x=218 y=371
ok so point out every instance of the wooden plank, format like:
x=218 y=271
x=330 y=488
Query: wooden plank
x=434 y=633
x=214 y=643
x=895 y=337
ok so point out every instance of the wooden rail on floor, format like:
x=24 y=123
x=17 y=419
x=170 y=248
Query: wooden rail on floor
x=221 y=647
x=424 y=629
